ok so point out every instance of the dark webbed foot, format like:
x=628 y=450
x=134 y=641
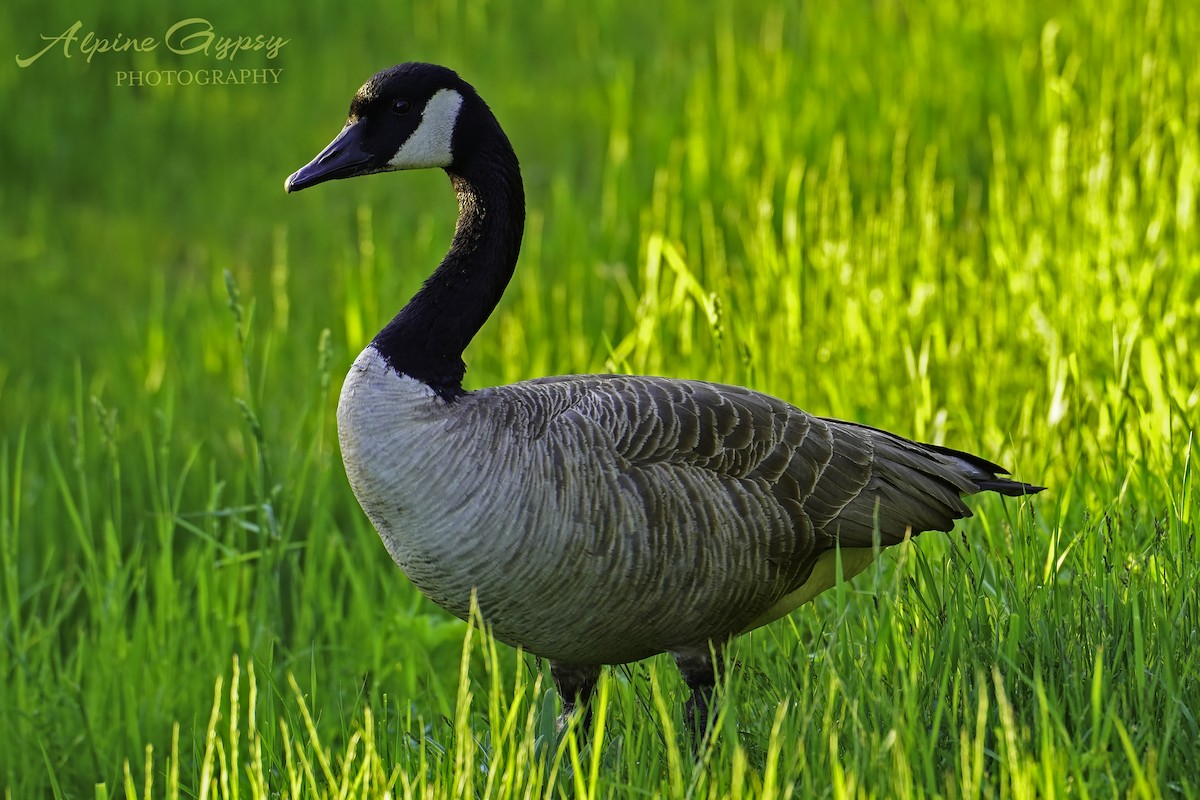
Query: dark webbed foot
x=576 y=683
x=700 y=669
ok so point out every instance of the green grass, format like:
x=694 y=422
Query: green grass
x=974 y=224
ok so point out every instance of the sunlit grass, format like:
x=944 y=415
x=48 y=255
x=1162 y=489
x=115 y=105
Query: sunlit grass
x=972 y=224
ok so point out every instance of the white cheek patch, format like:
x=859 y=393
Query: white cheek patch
x=429 y=145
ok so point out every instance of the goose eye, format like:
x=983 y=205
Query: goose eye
x=401 y=106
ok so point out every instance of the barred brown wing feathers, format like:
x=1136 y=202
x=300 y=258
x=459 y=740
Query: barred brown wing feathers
x=837 y=481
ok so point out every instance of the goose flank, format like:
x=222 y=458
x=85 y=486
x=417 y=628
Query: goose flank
x=599 y=519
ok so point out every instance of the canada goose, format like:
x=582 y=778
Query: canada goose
x=600 y=519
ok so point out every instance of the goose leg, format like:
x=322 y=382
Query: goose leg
x=700 y=668
x=575 y=684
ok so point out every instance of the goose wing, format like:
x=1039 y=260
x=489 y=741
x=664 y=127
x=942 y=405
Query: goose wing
x=717 y=497
x=835 y=481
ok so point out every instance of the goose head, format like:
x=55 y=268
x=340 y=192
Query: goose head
x=418 y=116
x=404 y=117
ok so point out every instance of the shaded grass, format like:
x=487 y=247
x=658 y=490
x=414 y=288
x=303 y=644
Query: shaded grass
x=974 y=225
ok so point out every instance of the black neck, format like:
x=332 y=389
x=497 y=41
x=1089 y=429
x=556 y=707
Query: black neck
x=427 y=338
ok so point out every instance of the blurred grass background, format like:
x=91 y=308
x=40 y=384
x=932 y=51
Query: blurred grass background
x=970 y=223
